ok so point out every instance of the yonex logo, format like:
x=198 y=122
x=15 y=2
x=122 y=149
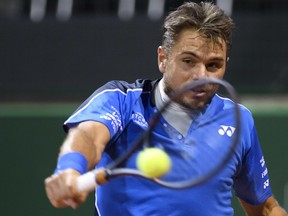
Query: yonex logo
x=228 y=130
x=262 y=161
x=266 y=184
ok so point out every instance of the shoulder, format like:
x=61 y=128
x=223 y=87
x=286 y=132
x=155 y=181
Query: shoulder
x=119 y=88
x=119 y=93
x=226 y=103
x=125 y=87
x=227 y=106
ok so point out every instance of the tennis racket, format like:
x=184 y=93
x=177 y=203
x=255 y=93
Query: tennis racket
x=195 y=159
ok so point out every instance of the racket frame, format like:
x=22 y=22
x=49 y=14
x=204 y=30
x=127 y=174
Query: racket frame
x=90 y=180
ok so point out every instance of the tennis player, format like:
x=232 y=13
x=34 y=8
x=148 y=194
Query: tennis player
x=196 y=44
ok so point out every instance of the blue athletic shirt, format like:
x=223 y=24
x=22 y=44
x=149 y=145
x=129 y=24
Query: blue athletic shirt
x=118 y=104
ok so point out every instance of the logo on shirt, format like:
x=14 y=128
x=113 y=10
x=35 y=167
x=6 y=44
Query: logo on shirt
x=228 y=130
x=266 y=184
x=262 y=161
x=115 y=119
x=139 y=119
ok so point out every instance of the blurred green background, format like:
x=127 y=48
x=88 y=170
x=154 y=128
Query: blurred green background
x=32 y=133
x=30 y=144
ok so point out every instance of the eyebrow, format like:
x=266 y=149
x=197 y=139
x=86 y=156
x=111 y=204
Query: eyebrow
x=216 y=58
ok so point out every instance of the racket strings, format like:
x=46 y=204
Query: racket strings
x=192 y=160
x=195 y=158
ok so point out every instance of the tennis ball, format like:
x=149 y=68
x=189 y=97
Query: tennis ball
x=153 y=162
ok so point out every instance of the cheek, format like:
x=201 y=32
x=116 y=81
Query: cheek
x=175 y=80
x=175 y=76
x=219 y=74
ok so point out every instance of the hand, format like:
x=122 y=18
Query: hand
x=61 y=189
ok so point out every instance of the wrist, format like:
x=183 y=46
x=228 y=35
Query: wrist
x=72 y=160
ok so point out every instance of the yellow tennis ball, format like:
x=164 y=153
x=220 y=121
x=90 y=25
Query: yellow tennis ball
x=153 y=162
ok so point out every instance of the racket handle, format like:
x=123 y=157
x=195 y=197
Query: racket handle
x=86 y=182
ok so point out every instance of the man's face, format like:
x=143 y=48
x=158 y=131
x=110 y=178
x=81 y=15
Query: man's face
x=192 y=57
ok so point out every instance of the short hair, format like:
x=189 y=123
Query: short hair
x=206 y=18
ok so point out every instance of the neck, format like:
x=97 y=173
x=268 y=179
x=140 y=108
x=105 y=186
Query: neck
x=164 y=98
x=176 y=115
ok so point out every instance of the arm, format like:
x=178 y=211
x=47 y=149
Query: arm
x=269 y=208
x=89 y=138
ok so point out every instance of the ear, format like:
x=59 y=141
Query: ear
x=162 y=59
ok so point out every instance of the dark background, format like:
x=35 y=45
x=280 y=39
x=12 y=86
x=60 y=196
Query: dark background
x=49 y=66
x=56 y=60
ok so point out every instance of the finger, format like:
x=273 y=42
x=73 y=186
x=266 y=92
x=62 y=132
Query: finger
x=58 y=204
x=71 y=203
x=60 y=189
x=56 y=190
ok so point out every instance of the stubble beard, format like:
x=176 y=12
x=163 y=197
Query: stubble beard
x=186 y=101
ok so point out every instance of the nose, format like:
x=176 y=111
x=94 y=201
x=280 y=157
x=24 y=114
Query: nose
x=199 y=72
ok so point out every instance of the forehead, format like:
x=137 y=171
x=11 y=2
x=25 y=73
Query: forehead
x=194 y=41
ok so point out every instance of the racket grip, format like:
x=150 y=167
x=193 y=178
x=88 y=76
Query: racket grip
x=86 y=182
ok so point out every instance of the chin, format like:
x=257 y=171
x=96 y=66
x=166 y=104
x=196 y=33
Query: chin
x=198 y=106
x=195 y=103
x=192 y=104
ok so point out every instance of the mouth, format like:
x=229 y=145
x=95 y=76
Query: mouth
x=198 y=92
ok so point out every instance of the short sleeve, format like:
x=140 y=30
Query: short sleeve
x=103 y=106
x=252 y=182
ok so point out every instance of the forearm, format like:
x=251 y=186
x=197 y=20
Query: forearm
x=88 y=138
x=80 y=151
x=79 y=141
x=269 y=208
x=277 y=211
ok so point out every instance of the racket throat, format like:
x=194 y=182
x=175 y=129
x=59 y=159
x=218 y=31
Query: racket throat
x=102 y=176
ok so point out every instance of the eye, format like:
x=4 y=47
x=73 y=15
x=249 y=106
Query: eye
x=188 y=60
x=213 y=66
